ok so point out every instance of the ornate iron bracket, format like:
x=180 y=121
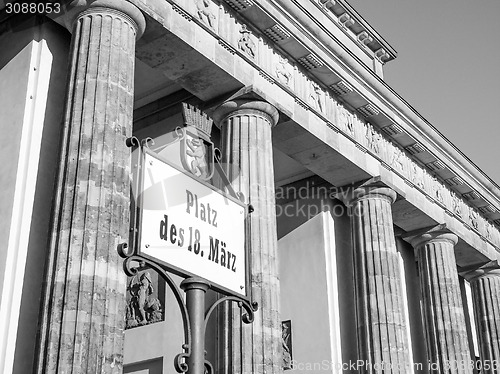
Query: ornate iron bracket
x=133 y=263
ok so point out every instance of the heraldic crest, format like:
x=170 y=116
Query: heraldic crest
x=197 y=151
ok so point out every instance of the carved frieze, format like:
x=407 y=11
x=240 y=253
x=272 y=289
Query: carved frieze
x=417 y=176
x=282 y=71
x=236 y=36
x=345 y=120
x=372 y=139
x=245 y=42
x=316 y=99
x=205 y=13
x=397 y=159
x=456 y=205
x=473 y=218
x=437 y=190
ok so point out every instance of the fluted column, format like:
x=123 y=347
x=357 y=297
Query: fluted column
x=486 y=295
x=248 y=158
x=382 y=332
x=444 y=320
x=84 y=302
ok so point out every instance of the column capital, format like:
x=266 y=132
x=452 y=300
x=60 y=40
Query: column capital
x=370 y=192
x=241 y=106
x=420 y=238
x=372 y=188
x=490 y=269
x=77 y=8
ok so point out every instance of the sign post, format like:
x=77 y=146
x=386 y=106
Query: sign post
x=185 y=226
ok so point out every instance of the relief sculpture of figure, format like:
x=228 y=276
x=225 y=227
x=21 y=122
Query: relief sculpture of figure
x=196 y=150
x=456 y=206
x=282 y=73
x=345 y=119
x=473 y=217
x=142 y=308
x=372 y=138
x=285 y=341
x=203 y=7
x=144 y=290
x=245 y=42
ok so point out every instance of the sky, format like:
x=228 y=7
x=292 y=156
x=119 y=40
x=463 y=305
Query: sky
x=448 y=67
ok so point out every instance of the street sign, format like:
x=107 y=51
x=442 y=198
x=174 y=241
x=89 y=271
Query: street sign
x=190 y=227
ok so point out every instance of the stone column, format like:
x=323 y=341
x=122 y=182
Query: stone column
x=84 y=302
x=382 y=332
x=444 y=320
x=486 y=295
x=248 y=158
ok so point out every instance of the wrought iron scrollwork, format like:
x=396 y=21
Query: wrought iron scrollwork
x=132 y=264
x=249 y=307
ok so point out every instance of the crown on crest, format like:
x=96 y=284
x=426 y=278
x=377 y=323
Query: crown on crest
x=193 y=116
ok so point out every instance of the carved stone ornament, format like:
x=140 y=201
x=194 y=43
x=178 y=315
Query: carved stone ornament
x=197 y=150
x=281 y=71
x=456 y=206
x=205 y=14
x=197 y=154
x=473 y=217
x=142 y=307
x=286 y=340
x=245 y=42
x=397 y=160
x=345 y=119
x=418 y=177
x=316 y=97
x=373 y=139
x=438 y=190
x=488 y=230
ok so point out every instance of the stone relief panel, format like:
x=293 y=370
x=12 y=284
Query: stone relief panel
x=143 y=300
x=397 y=159
x=417 y=176
x=345 y=120
x=207 y=12
x=246 y=42
x=283 y=70
x=286 y=340
x=373 y=139
x=316 y=97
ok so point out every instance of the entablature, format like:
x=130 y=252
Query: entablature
x=326 y=84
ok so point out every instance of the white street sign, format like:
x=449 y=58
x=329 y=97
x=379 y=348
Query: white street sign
x=191 y=227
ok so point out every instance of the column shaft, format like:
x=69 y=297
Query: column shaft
x=486 y=296
x=247 y=155
x=444 y=320
x=84 y=305
x=382 y=332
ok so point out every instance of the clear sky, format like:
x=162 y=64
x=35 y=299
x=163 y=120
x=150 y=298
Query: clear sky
x=448 y=67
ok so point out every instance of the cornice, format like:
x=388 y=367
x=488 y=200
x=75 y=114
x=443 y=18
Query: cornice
x=359 y=83
x=341 y=12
